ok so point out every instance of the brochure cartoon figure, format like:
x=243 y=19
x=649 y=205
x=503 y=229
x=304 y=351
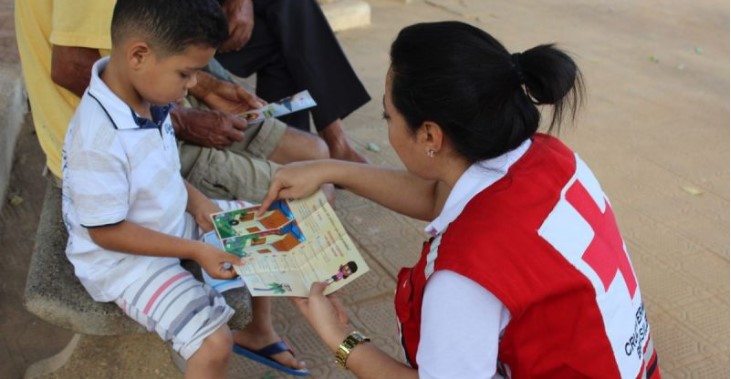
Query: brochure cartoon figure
x=344 y=271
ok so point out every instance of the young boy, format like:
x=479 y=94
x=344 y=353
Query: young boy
x=131 y=217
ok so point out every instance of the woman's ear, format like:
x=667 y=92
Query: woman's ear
x=431 y=136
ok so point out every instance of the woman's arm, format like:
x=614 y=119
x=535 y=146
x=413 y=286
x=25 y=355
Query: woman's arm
x=394 y=189
x=327 y=316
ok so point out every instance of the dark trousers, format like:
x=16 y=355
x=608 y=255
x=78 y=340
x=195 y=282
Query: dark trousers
x=292 y=49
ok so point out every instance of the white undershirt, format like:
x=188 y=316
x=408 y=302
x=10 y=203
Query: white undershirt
x=459 y=334
x=461 y=321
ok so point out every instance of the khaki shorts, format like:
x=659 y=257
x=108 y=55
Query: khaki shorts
x=241 y=172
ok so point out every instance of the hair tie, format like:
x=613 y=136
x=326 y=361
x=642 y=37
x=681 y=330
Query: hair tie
x=517 y=69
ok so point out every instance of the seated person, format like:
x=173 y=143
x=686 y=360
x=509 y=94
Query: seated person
x=290 y=47
x=58 y=41
x=130 y=215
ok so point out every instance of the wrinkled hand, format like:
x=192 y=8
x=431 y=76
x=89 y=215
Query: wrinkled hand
x=293 y=181
x=228 y=97
x=217 y=263
x=240 y=16
x=208 y=128
x=326 y=314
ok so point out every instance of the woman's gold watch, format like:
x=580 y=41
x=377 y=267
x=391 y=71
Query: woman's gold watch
x=349 y=343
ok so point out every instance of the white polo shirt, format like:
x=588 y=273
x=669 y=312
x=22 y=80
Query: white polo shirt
x=118 y=166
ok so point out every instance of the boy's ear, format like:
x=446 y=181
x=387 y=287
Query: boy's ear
x=430 y=135
x=138 y=54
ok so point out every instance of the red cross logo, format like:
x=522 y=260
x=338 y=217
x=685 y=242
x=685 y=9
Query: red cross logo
x=605 y=254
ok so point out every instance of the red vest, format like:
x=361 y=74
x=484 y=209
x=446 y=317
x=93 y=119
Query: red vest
x=544 y=241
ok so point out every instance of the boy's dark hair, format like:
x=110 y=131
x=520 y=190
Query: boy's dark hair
x=484 y=98
x=170 y=26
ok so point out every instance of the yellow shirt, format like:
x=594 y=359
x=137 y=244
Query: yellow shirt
x=39 y=24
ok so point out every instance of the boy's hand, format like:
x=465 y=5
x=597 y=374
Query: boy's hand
x=217 y=263
x=208 y=128
x=203 y=214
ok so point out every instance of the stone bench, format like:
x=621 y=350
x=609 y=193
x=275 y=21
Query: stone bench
x=54 y=293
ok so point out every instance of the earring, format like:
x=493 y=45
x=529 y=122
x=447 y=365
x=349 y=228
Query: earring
x=430 y=153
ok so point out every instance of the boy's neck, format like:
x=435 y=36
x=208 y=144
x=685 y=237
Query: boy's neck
x=117 y=79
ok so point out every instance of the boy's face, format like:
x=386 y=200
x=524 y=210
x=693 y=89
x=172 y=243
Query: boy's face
x=162 y=80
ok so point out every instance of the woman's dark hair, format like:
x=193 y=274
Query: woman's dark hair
x=484 y=98
x=170 y=26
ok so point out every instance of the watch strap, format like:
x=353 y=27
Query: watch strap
x=346 y=347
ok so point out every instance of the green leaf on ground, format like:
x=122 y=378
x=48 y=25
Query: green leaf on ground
x=693 y=190
x=15 y=200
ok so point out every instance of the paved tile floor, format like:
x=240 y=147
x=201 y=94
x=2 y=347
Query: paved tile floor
x=655 y=130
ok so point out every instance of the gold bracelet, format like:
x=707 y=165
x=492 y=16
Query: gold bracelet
x=349 y=343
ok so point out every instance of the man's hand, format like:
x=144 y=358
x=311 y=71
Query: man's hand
x=224 y=96
x=240 y=16
x=207 y=128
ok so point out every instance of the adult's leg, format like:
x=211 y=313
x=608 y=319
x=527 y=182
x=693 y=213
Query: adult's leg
x=262 y=56
x=293 y=48
x=273 y=140
x=244 y=171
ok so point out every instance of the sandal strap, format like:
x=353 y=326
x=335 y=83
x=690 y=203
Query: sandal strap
x=275 y=348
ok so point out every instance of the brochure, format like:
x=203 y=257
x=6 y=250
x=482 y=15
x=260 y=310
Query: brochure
x=297 y=102
x=290 y=246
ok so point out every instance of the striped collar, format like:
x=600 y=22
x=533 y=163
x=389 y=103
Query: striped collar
x=117 y=110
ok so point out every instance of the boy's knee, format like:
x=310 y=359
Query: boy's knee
x=218 y=345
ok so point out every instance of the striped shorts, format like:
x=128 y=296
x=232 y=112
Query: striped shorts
x=168 y=300
x=171 y=302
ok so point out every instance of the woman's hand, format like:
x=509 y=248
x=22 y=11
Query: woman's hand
x=294 y=181
x=326 y=314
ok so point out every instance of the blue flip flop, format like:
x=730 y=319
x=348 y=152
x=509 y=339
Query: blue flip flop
x=263 y=356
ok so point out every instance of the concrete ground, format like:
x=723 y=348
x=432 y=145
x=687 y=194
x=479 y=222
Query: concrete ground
x=655 y=130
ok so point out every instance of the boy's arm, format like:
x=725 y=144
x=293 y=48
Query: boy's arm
x=128 y=237
x=201 y=207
